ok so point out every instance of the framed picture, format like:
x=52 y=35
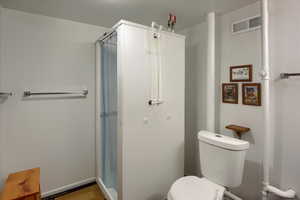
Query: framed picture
x=241 y=73
x=230 y=93
x=251 y=94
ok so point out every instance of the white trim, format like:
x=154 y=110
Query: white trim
x=128 y=23
x=288 y=194
x=231 y=195
x=68 y=187
x=121 y=59
x=104 y=189
x=98 y=138
x=121 y=22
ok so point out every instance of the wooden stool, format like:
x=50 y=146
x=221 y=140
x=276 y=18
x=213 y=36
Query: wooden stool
x=24 y=185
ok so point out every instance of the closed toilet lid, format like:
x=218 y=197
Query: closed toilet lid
x=195 y=188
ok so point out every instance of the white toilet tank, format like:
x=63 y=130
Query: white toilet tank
x=222 y=158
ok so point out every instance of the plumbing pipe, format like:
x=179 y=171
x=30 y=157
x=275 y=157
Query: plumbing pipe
x=284 y=194
x=266 y=88
x=159 y=66
x=267 y=108
x=231 y=196
x=210 y=90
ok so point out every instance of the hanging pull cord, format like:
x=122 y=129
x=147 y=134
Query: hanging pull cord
x=154 y=49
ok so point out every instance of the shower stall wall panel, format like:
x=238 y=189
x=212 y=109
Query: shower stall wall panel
x=150 y=138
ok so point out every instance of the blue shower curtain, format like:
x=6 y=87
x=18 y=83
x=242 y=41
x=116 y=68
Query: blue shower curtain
x=109 y=114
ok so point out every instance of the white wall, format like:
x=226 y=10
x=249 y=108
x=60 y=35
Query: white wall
x=56 y=134
x=195 y=100
x=230 y=50
x=285 y=48
x=235 y=50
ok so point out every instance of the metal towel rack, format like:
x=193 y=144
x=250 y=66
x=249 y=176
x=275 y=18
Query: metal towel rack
x=29 y=93
x=5 y=94
x=287 y=75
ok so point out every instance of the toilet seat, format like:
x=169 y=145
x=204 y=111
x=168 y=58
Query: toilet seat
x=195 y=188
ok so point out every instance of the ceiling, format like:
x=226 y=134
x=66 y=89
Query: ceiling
x=107 y=12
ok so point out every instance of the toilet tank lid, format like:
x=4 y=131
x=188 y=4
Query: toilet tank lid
x=223 y=141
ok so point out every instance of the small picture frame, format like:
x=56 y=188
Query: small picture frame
x=251 y=94
x=230 y=93
x=242 y=73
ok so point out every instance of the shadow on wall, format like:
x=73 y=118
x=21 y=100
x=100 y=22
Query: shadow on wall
x=273 y=197
x=249 y=137
x=3 y=99
x=2 y=180
x=156 y=197
x=253 y=173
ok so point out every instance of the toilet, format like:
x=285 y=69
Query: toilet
x=222 y=164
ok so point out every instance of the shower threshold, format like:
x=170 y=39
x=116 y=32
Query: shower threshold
x=113 y=193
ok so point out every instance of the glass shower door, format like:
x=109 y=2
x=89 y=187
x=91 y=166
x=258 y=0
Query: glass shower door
x=109 y=114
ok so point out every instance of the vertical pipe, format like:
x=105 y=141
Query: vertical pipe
x=266 y=79
x=268 y=152
x=266 y=89
x=210 y=89
x=2 y=178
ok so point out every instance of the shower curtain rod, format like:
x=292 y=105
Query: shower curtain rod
x=106 y=35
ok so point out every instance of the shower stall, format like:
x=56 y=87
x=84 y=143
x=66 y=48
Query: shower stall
x=139 y=111
x=109 y=114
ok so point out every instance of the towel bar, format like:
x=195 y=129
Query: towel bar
x=29 y=93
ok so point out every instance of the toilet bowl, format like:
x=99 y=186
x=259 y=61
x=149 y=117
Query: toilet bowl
x=222 y=165
x=195 y=188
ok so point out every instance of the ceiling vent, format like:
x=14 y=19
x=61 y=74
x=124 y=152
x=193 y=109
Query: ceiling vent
x=246 y=25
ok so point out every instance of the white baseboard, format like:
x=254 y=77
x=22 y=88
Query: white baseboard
x=68 y=187
x=103 y=189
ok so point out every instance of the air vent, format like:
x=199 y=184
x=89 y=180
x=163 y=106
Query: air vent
x=248 y=24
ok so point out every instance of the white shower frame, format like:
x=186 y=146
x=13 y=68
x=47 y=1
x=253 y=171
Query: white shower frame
x=98 y=139
x=121 y=37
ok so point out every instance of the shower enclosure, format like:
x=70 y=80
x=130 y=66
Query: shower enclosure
x=109 y=114
x=140 y=111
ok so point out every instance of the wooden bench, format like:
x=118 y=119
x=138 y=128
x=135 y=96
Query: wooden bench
x=24 y=185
